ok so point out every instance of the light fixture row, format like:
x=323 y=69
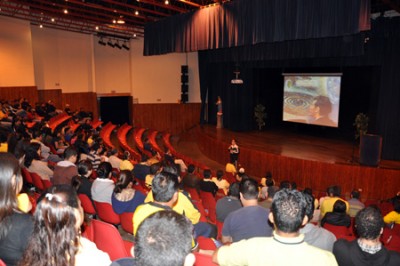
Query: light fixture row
x=114 y=43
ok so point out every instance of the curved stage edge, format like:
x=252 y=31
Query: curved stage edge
x=309 y=161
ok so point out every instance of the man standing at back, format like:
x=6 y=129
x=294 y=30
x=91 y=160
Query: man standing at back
x=286 y=247
x=249 y=221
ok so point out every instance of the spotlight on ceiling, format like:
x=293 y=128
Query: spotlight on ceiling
x=101 y=42
x=110 y=43
x=118 y=45
x=125 y=46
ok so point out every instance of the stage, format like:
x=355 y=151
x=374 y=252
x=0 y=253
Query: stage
x=311 y=161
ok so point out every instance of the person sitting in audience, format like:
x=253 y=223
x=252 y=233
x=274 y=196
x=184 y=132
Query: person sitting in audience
x=286 y=247
x=191 y=180
x=126 y=164
x=314 y=235
x=103 y=186
x=185 y=206
x=355 y=205
x=170 y=159
x=338 y=216
x=154 y=169
x=141 y=170
x=125 y=198
x=228 y=204
x=33 y=163
x=367 y=249
x=221 y=182
x=267 y=181
x=327 y=204
x=113 y=158
x=393 y=216
x=81 y=182
x=56 y=238
x=315 y=219
x=15 y=227
x=159 y=236
x=249 y=221
x=94 y=155
x=45 y=151
x=230 y=168
x=285 y=184
x=266 y=196
x=206 y=184
x=66 y=169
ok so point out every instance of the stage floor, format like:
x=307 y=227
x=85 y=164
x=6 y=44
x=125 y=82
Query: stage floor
x=294 y=145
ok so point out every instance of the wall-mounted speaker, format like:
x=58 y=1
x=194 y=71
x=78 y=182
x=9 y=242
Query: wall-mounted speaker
x=184 y=69
x=184 y=79
x=370 y=149
x=184 y=88
x=184 y=98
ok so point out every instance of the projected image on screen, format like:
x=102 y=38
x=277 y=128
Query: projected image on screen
x=311 y=99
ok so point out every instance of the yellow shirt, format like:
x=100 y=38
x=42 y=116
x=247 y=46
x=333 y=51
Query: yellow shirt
x=126 y=165
x=24 y=204
x=392 y=217
x=182 y=206
x=230 y=168
x=4 y=147
x=327 y=205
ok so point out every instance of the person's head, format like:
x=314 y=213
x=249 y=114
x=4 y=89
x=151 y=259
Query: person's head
x=320 y=106
x=10 y=186
x=355 y=194
x=263 y=193
x=220 y=174
x=32 y=153
x=285 y=184
x=339 y=206
x=191 y=168
x=234 y=190
x=248 y=189
x=369 y=223
x=164 y=238
x=125 y=180
x=126 y=155
x=85 y=168
x=396 y=205
x=70 y=154
x=155 y=168
x=309 y=205
x=104 y=170
x=288 y=210
x=57 y=222
x=233 y=142
x=271 y=191
x=207 y=173
x=165 y=187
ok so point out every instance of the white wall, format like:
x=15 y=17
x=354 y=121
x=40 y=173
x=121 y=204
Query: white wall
x=74 y=62
x=16 y=60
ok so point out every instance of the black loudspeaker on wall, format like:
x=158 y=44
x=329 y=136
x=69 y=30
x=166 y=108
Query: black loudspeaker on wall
x=370 y=149
x=184 y=83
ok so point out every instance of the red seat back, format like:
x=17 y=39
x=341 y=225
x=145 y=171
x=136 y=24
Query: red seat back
x=37 y=181
x=203 y=260
x=108 y=239
x=127 y=221
x=194 y=195
x=206 y=243
x=338 y=231
x=87 y=204
x=209 y=204
x=26 y=176
x=106 y=213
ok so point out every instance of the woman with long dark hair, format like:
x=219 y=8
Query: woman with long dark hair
x=33 y=163
x=56 y=238
x=125 y=198
x=15 y=226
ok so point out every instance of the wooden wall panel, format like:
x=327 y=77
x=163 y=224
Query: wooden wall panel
x=87 y=100
x=377 y=183
x=12 y=93
x=54 y=95
x=174 y=118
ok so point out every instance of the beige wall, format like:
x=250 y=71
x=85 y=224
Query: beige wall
x=16 y=61
x=73 y=62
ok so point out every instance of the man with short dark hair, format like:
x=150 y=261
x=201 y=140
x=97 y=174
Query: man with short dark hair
x=367 y=249
x=286 y=247
x=65 y=170
x=333 y=195
x=228 y=204
x=163 y=238
x=355 y=205
x=249 y=221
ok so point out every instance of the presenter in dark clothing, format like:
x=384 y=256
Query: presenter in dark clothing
x=234 y=152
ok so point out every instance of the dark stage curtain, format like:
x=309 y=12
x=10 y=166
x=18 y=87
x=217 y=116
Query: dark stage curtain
x=371 y=82
x=249 y=22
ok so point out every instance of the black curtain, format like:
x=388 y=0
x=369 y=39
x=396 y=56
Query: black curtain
x=250 y=22
x=370 y=84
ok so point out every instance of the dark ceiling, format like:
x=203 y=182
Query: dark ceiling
x=122 y=19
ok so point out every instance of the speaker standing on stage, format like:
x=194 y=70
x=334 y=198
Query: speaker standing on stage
x=234 y=152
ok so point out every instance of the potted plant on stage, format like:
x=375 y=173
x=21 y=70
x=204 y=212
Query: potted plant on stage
x=361 y=124
x=260 y=115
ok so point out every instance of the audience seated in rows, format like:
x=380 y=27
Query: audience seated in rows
x=33 y=163
x=286 y=247
x=191 y=180
x=206 y=184
x=355 y=205
x=266 y=195
x=221 y=182
x=249 y=221
x=337 y=216
x=333 y=195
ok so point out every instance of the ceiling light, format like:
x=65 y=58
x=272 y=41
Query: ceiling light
x=134 y=35
x=52 y=20
x=125 y=46
x=110 y=43
x=101 y=42
x=114 y=21
x=166 y=2
x=65 y=11
x=120 y=21
x=40 y=26
x=118 y=45
x=97 y=27
x=136 y=13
